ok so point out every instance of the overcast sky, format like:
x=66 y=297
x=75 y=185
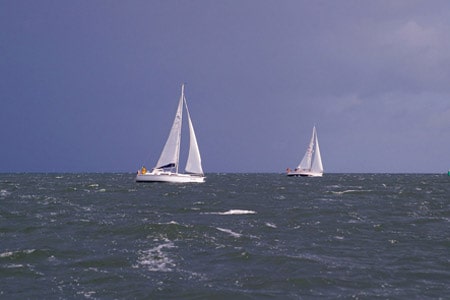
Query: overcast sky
x=93 y=85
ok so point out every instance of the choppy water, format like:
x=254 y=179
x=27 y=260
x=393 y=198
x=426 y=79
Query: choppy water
x=237 y=236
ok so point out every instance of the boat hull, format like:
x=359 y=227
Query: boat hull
x=169 y=177
x=304 y=174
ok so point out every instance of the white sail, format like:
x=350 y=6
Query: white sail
x=305 y=164
x=170 y=155
x=317 y=166
x=194 y=161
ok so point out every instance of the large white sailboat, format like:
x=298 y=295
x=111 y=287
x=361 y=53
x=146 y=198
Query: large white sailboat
x=166 y=169
x=311 y=164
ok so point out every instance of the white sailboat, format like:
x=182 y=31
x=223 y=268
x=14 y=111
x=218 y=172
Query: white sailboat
x=311 y=164
x=166 y=169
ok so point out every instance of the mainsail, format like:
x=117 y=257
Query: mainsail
x=305 y=164
x=171 y=152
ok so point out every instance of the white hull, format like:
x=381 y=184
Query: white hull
x=304 y=174
x=169 y=177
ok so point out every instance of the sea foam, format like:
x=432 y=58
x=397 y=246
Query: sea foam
x=156 y=259
x=233 y=212
x=229 y=231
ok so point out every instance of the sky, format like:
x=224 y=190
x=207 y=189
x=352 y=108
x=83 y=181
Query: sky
x=92 y=86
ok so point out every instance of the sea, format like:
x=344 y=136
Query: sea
x=236 y=236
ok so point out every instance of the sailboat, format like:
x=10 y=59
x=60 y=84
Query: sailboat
x=311 y=164
x=166 y=169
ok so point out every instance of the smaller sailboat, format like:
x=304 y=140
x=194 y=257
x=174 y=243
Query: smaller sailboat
x=166 y=169
x=311 y=164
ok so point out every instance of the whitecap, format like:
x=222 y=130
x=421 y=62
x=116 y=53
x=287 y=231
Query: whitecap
x=13 y=266
x=349 y=191
x=229 y=231
x=156 y=259
x=4 y=193
x=6 y=254
x=11 y=253
x=233 y=212
x=239 y=212
x=271 y=225
x=28 y=197
x=167 y=223
x=88 y=294
x=97 y=270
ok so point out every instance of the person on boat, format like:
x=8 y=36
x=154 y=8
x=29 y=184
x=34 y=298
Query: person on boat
x=143 y=170
x=288 y=170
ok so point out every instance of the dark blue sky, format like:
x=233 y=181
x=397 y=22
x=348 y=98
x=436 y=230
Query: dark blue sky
x=93 y=85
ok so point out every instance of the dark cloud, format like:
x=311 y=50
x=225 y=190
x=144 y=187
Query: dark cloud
x=92 y=86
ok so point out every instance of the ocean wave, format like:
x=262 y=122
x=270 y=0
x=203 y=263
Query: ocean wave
x=210 y=243
x=232 y=212
x=235 y=234
x=4 y=193
x=13 y=266
x=6 y=254
x=349 y=191
x=156 y=259
x=29 y=197
x=87 y=294
x=271 y=225
x=14 y=253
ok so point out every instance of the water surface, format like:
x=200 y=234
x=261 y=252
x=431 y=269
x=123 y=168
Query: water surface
x=246 y=236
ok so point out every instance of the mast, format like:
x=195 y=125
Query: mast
x=180 y=107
